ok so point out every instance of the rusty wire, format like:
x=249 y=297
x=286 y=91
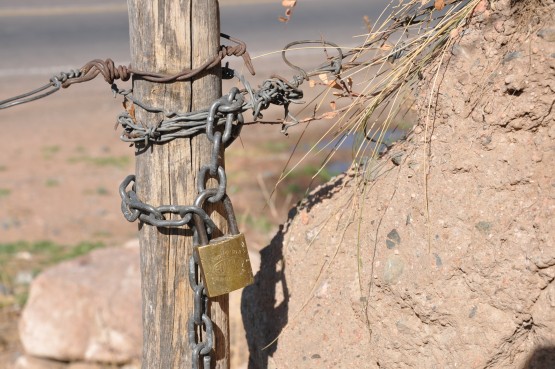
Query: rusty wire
x=111 y=72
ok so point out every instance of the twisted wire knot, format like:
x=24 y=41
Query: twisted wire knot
x=107 y=68
x=111 y=72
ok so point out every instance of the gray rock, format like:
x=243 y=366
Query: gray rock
x=84 y=366
x=393 y=239
x=393 y=269
x=24 y=277
x=548 y=34
x=29 y=362
x=87 y=309
x=510 y=56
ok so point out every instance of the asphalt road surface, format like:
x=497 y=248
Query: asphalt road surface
x=44 y=37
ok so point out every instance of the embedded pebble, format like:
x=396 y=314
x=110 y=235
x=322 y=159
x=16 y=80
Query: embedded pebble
x=483 y=227
x=393 y=269
x=393 y=239
x=397 y=158
x=485 y=140
x=439 y=263
x=512 y=56
x=548 y=34
x=473 y=310
x=514 y=84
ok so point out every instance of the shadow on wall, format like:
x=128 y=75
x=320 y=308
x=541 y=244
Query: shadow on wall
x=264 y=304
x=541 y=358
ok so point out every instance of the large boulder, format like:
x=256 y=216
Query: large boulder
x=87 y=309
x=444 y=255
x=87 y=312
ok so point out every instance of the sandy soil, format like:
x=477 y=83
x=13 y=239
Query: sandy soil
x=382 y=269
x=442 y=255
x=62 y=163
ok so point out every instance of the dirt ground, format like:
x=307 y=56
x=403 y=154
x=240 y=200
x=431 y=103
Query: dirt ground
x=61 y=166
x=442 y=255
x=443 y=259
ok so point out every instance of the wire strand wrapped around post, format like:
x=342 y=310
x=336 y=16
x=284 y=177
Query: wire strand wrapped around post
x=111 y=72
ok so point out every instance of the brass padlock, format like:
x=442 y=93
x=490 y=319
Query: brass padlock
x=224 y=262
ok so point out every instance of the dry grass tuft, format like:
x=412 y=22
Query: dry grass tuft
x=374 y=90
x=376 y=84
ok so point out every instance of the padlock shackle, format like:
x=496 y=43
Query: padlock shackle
x=200 y=229
x=204 y=195
x=228 y=207
x=231 y=219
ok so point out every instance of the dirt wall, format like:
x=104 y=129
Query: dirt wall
x=443 y=257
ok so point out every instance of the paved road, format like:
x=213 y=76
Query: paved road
x=43 y=37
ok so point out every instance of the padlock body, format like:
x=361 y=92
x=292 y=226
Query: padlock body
x=225 y=265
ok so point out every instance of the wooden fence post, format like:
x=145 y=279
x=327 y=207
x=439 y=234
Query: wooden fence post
x=168 y=36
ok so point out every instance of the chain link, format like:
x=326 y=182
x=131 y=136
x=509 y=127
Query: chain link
x=201 y=349
x=133 y=209
x=229 y=111
x=200 y=326
x=199 y=318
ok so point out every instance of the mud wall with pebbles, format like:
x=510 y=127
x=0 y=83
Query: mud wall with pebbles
x=446 y=259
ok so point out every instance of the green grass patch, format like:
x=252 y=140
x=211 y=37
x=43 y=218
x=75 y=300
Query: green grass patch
x=311 y=170
x=5 y=192
x=3 y=168
x=33 y=257
x=101 y=234
x=233 y=189
x=102 y=191
x=80 y=149
x=294 y=188
x=99 y=191
x=49 y=151
x=260 y=223
x=52 y=182
x=46 y=252
x=276 y=146
x=120 y=162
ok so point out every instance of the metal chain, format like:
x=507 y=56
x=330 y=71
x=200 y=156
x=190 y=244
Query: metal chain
x=200 y=326
x=201 y=348
x=133 y=209
x=199 y=318
x=273 y=91
x=229 y=111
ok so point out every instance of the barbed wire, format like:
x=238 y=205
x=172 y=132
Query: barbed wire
x=222 y=122
x=108 y=69
x=273 y=91
x=111 y=72
x=52 y=86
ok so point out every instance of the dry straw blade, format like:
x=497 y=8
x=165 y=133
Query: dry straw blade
x=408 y=39
x=379 y=75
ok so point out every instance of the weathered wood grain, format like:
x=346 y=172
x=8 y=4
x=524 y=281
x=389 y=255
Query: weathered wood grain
x=168 y=36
